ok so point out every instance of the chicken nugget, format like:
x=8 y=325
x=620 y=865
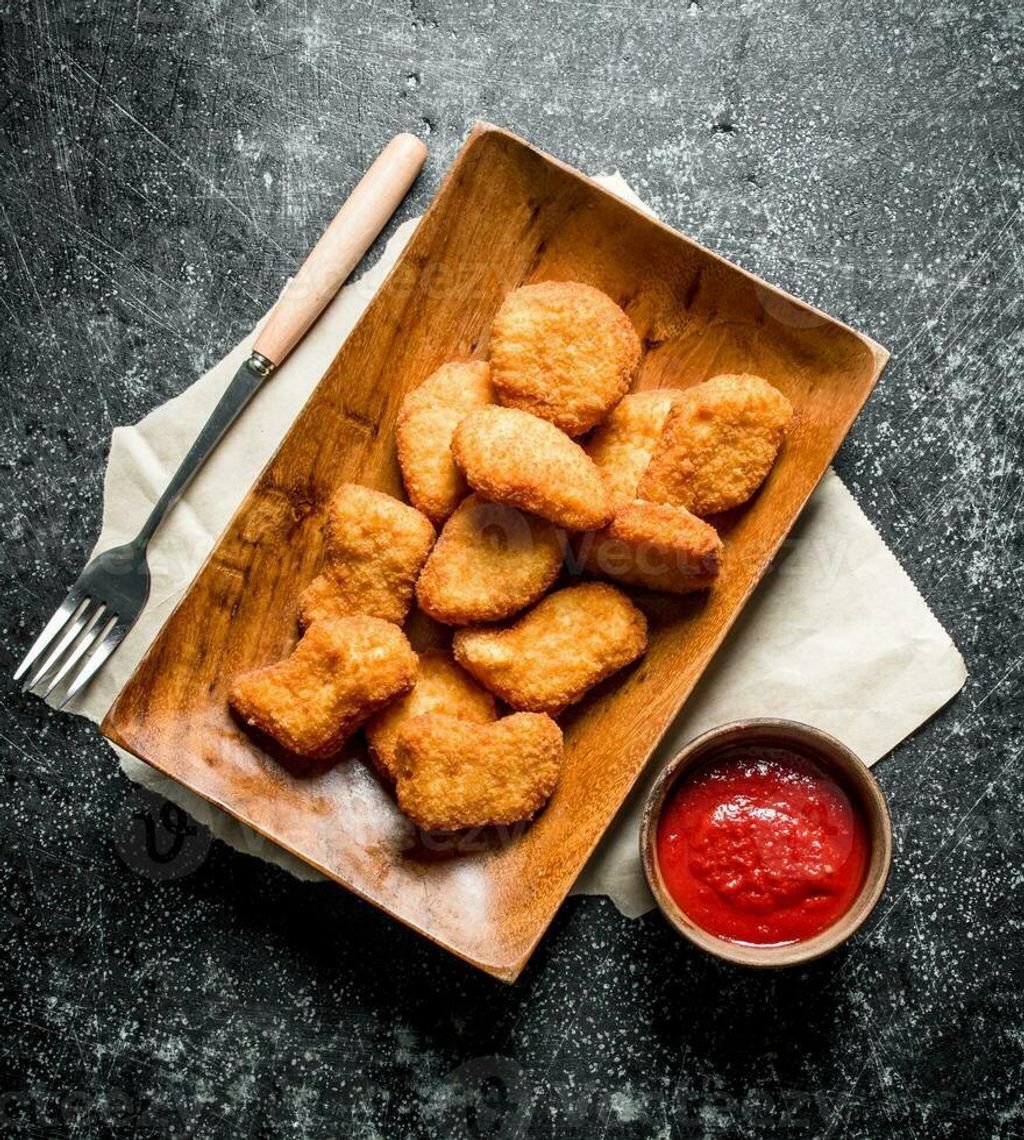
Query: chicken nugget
x=453 y=774
x=563 y=351
x=555 y=652
x=489 y=562
x=514 y=458
x=341 y=672
x=441 y=687
x=623 y=445
x=426 y=420
x=376 y=546
x=654 y=545
x=719 y=443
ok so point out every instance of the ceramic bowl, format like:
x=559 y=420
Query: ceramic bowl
x=838 y=762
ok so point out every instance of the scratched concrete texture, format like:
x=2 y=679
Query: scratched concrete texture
x=164 y=166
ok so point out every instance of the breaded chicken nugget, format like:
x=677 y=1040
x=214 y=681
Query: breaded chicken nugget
x=567 y=643
x=376 y=547
x=453 y=774
x=426 y=420
x=489 y=562
x=341 y=672
x=719 y=443
x=441 y=687
x=563 y=351
x=623 y=445
x=512 y=457
x=654 y=545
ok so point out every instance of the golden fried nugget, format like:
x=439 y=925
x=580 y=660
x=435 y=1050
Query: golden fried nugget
x=453 y=774
x=654 y=545
x=376 y=546
x=563 y=351
x=426 y=420
x=512 y=457
x=623 y=445
x=441 y=687
x=341 y=672
x=489 y=562
x=719 y=443
x=567 y=643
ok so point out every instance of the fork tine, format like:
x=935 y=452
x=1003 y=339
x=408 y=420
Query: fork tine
x=92 y=636
x=80 y=621
x=112 y=638
x=67 y=610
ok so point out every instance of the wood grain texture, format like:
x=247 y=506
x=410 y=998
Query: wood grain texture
x=350 y=234
x=506 y=214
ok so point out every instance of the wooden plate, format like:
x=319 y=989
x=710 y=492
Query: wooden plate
x=505 y=214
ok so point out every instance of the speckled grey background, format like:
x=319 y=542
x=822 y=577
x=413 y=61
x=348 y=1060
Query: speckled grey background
x=164 y=166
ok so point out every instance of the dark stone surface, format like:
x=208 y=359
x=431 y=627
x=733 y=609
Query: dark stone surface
x=164 y=166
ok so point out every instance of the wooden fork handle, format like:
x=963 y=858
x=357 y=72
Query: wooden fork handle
x=361 y=218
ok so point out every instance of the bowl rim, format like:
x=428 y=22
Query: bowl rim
x=836 y=758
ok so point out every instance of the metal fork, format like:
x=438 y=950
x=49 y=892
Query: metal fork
x=111 y=592
x=105 y=602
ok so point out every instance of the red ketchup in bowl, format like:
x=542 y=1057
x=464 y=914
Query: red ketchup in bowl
x=760 y=846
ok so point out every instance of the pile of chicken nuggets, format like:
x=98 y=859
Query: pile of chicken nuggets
x=518 y=470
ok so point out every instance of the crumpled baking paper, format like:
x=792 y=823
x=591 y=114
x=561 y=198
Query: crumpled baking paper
x=836 y=635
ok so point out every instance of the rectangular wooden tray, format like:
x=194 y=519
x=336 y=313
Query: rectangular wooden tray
x=505 y=214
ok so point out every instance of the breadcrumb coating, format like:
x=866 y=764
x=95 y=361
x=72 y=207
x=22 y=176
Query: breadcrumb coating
x=623 y=445
x=515 y=458
x=548 y=658
x=340 y=673
x=489 y=562
x=719 y=443
x=423 y=435
x=656 y=546
x=453 y=774
x=376 y=546
x=562 y=351
x=441 y=687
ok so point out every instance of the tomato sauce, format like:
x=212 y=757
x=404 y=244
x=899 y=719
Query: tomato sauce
x=762 y=847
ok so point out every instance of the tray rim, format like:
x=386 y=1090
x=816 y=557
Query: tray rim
x=506 y=971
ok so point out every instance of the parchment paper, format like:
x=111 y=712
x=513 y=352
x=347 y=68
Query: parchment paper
x=837 y=634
